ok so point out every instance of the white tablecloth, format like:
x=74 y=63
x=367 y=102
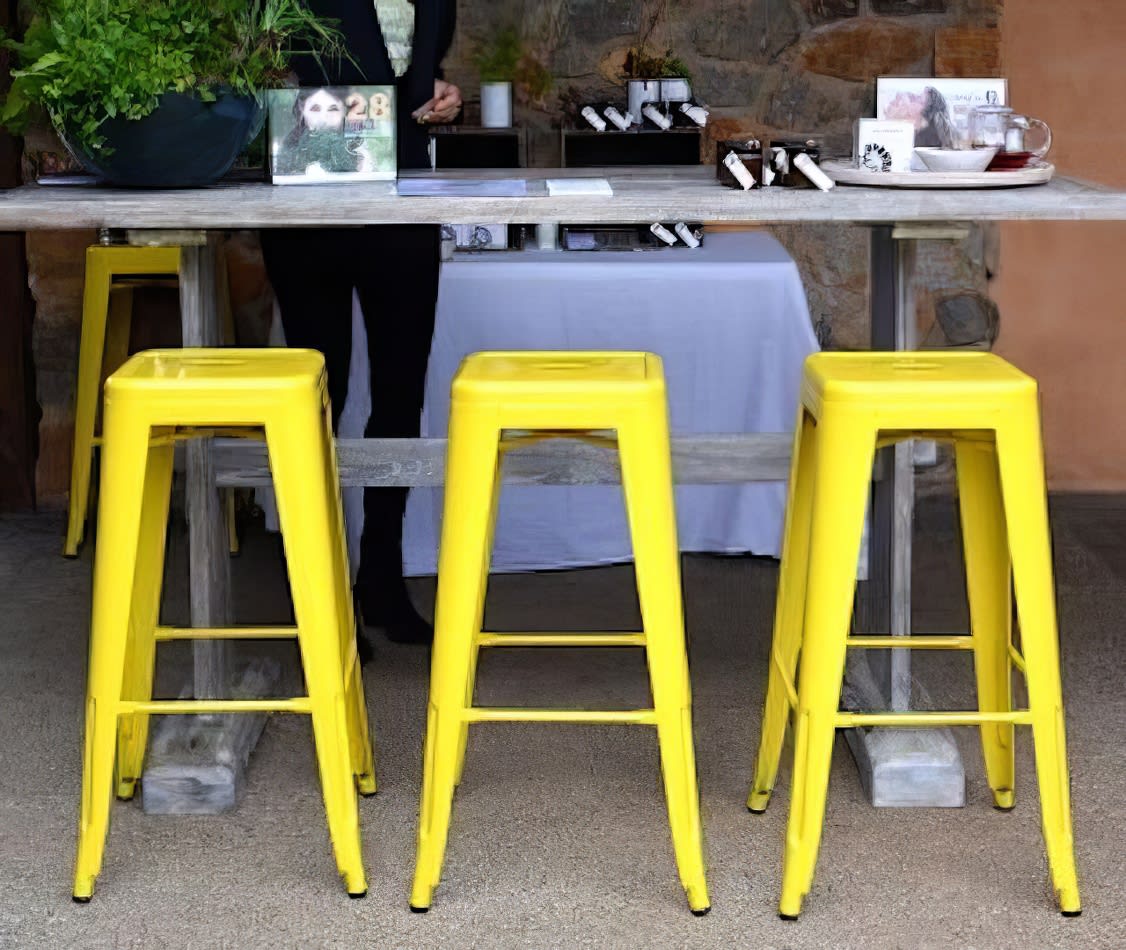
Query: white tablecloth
x=731 y=323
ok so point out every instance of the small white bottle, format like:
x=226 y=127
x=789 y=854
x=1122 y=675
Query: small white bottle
x=804 y=164
x=594 y=119
x=623 y=122
x=657 y=117
x=740 y=171
x=686 y=235
x=663 y=233
x=697 y=114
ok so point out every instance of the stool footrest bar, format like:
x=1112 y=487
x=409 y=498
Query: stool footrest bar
x=226 y=633
x=951 y=642
x=561 y=639
x=928 y=720
x=629 y=717
x=188 y=707
x=1018 y=658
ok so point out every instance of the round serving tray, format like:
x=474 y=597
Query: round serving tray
x=845 y=173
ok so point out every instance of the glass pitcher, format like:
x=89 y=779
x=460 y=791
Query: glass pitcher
x=1014 y=135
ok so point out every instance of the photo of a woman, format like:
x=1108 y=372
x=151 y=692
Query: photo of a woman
x=937 y=129
x=316 y=143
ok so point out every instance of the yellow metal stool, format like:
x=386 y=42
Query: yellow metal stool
x=159 y=397
x=112 y=274
x=548 y=395
x=851 y=404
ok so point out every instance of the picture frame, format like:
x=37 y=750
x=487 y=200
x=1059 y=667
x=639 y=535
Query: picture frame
x=939 y=108
x=332 y=134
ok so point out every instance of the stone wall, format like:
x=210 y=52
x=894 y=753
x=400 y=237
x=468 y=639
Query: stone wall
x=805 y=66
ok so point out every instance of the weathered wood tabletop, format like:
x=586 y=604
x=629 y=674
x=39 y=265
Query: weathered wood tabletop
x=641 y=195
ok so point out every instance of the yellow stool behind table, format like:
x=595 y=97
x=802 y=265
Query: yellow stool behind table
x=851 y=404
x=548 y=395
x=155 y=399
x=112 y=274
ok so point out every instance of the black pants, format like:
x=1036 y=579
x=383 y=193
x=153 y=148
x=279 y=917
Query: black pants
x=394 y=269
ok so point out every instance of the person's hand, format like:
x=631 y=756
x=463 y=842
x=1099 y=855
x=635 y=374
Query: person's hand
x=444 y=107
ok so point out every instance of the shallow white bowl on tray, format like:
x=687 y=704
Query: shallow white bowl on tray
x=847 y=173
x=956 y=159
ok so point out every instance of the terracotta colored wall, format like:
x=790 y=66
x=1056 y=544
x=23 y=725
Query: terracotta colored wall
x=1062 y=287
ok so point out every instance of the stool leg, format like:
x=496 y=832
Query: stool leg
x=95 y=315
x=144 y=616
x=471 y=473
x=650 y=506
x=1022 y=481
x=486 y=563
x=789 y=613
x=123 y=487
x=308 y=510
x=988 y=585
x=844 y=469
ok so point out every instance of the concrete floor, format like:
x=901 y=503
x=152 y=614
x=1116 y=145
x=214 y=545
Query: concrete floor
x=559 y=836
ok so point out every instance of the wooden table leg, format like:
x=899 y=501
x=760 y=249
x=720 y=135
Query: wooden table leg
x=196 y=764
x=209 y=565
x=898 y=766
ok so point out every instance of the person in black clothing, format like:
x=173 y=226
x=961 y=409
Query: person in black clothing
x=394 y=270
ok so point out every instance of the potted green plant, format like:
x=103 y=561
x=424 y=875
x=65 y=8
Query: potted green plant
x=157 y=93
x=497 y=63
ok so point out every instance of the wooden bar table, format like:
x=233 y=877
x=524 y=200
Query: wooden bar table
x=897 y=218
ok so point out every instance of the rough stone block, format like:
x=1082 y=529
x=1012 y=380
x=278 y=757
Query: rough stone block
x=822 y=10
x=593 y=21
x=905 y=7
x=736 y=30
x=967 y=51
x=860 y=50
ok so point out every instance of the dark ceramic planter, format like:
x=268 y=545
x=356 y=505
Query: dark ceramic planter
x=184 y=143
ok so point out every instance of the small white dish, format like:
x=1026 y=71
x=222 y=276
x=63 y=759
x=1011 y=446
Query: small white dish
x=956 y=160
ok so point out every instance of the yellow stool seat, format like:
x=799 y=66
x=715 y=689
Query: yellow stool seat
x=851 y=404
x=531 y=396
x=112 y=274
x=154 y=400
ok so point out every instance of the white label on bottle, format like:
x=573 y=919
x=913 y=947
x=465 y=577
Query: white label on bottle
x=740 y=171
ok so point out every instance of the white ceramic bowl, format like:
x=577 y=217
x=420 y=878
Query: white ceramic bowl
x=966 y=160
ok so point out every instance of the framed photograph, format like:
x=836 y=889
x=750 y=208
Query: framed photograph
x=332 y=133
x=939 y=108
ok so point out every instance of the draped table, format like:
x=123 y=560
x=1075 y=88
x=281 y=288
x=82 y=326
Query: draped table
x=729 y=321
x=896 y=218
